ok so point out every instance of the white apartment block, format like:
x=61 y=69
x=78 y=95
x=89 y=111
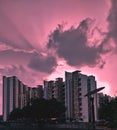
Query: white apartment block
x=45 y=89
x=54 y=89
x=10 y=95
x=68 y=95
x=76 y=86
x=17 y=95
x=71 y=93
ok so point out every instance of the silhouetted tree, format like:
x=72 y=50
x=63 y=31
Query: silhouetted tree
x=103 y=109
x=112 y=113
x=43 y=110
x=108 y=112
x=40 y=110
x=16 y=114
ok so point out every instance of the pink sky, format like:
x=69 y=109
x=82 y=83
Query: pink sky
x=40 y=39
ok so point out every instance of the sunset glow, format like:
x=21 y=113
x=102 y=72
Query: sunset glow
x=41 y=39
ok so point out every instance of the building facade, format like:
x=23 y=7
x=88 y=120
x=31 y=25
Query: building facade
x=68 y=95
x=55 y=89
x=10 y=95
x=77 y=85
x=17 y=95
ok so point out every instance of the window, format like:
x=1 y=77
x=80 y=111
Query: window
x=80 y=109
x=79 y=94
x=79 y=84
x=80 y=103
x=80 y=114
x=79 y=79
x=80 y=99
x=79 y=89
x=81 y=119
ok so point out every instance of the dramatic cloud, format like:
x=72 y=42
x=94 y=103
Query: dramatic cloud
x=73 y=45
x=24 y=74
x=14 y=56
x=112 y=20
x=43 y=63
x=11 y=70
x=27 y=52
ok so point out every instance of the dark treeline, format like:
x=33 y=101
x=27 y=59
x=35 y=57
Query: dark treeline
x=39 y=111
x=108 y=111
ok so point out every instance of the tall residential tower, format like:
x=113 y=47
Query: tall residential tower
x=17 y=95
x=76 y=86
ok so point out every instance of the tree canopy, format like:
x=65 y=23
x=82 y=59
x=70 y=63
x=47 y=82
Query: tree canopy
x=39 y=109
x=108 y=112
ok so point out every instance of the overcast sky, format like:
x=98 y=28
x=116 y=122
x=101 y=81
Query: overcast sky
x=40 y=39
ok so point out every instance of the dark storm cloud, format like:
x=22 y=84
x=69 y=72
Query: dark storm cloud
x=43 y=64
x=12 y=70
x=112 y=20
x=11 y=56
x=34 y=60
x=72 y=45
x=22 y=73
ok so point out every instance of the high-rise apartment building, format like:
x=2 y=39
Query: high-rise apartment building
x=76 y=86
x=45 y=89
x=10 y=95
x=49 y=91
x=68 y=95
x=60 y=90
x=40 y=91
x=17 y=95
x=54 y=89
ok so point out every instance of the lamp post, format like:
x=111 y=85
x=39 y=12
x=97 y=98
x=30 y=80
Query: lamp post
x=91 y=98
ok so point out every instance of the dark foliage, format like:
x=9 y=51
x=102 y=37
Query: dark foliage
x=108 y=112
x=16 y=114
x=103 y=110
x=39 y=110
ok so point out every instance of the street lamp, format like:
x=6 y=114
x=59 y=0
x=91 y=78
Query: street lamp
x=91 y=98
